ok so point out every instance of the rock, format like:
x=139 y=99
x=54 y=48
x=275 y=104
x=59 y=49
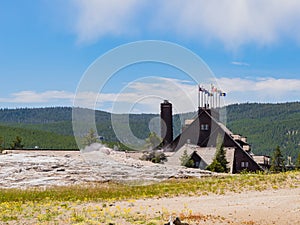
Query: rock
x=44 y=169
x=49 y=168
x=55 y=166
x=178 y=222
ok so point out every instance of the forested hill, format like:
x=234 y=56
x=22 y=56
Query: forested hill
x=265 y=125
x=42 y=115
x=279 y=111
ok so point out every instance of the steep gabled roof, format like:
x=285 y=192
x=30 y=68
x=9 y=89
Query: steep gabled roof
x=206 y=154
x=208 y=138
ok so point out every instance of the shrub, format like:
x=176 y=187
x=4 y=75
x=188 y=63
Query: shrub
x=154 y=156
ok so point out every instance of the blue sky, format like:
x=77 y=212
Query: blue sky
x=252 y=47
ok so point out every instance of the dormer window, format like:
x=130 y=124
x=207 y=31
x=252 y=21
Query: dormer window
x=204 y=127
x=244 y=164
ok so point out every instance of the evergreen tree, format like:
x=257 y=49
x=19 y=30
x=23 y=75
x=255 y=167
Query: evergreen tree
x=219 y=163
x=153 y=141
x=277 y=164
x=298 y=162
x=17 y=143
x=90 y=138
x=186 y=160
x=1 y=144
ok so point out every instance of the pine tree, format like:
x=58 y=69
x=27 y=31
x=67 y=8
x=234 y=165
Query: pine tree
x=90 y=138
x=17 y=143
x=186 y=160
x=1 y=144
x=219 y=163
x=277 y=164
x=153 y=141
x=298 y=162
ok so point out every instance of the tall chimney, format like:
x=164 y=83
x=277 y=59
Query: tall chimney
x=166 y=124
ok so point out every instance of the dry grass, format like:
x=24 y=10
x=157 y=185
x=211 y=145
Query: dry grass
x=70 y=205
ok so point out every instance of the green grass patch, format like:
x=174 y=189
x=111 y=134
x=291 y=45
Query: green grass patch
x=111 y=191
x=96 y=203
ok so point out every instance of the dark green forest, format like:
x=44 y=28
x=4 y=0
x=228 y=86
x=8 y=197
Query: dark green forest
x=32 y=138
x=265 y=125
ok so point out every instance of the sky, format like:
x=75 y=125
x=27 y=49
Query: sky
x=252 y=48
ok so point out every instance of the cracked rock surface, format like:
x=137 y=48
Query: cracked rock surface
x=23 y=169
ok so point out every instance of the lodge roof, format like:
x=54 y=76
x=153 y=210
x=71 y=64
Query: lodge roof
x=205 y=145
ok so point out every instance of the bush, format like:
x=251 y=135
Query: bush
x=154 y=156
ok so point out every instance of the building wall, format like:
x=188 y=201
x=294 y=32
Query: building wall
x=243 y=162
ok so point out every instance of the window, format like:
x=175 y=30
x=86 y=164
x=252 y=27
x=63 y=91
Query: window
x=244 y=164
x=204 y=127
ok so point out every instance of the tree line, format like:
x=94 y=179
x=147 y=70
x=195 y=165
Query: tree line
x=265 y=125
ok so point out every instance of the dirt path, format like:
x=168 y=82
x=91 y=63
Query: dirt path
x=266 y=207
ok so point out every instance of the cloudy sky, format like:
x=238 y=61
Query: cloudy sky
x=251 y=46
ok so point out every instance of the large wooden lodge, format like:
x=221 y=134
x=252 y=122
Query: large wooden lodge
x=199 y=139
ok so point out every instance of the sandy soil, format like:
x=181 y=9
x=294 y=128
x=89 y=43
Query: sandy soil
x=266 y=207
x=20 y=169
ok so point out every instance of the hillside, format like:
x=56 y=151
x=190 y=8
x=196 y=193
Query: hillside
x=265 y=125
x=32 y=138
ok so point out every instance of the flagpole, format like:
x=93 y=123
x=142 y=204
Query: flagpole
x=198 y=96
x=214 y=98
x=202 y=98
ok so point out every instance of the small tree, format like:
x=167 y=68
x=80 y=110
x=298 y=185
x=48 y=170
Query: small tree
x=17 y=143
x=153 y=141
x=1 y=144
x=186 y=160
x=219 y=163
x=298 y=162
x=216 y=166
x=90 y=138
x=277 y=164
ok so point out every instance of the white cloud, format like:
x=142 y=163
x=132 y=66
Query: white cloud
x=35 y=97
x=260 y=85
x=268 y=90
x=97 y=18
x=146 y=94
x=233 y=22
x=240 y=63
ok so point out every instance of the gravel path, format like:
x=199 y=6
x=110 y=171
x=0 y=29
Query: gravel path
x=265 y=207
